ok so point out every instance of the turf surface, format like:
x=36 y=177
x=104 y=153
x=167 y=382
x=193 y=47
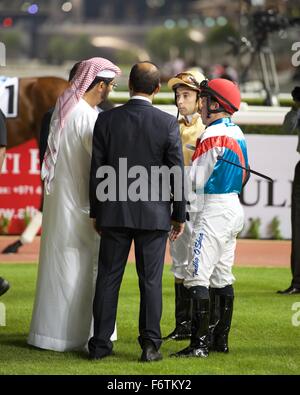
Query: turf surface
x=262 y=339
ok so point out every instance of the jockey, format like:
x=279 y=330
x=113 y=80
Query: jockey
x=219 y=219
x=187 y=94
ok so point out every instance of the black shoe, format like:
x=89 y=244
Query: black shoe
x=150 y=354
x=201 y=352
x=289 y=291
x=4 y=286
x=12 y=248
x=94 y=357
x=181 y=332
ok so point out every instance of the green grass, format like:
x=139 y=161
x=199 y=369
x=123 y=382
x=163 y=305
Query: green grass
x=262 y=338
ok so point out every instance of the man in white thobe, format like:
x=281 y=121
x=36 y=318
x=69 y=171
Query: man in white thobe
x=62 y=313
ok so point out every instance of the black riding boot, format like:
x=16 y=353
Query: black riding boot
x=214 y=314
x=200 y=321
x=221 y=331
x=182 y=329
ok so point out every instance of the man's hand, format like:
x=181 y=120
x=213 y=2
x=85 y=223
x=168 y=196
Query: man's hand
x=95 y=226
x=176 y=230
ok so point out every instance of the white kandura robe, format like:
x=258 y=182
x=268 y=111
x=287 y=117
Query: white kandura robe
x=62 y=314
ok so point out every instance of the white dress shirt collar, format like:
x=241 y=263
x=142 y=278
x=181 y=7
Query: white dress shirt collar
x=138 y=97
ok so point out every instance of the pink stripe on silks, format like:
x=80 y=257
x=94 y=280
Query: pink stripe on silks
x=85 y=75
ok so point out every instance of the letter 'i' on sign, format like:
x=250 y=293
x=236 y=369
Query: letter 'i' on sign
x=2 y=314
x=2 y=54
x=34 y=161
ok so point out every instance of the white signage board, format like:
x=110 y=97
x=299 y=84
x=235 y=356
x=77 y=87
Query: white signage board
x=275 y=156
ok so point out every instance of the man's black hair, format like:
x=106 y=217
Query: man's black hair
x=144 y=80
x=73 y=71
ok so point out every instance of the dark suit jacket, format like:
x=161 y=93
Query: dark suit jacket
x=146 y=137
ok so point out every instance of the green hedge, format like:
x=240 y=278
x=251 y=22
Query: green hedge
x=249 y=129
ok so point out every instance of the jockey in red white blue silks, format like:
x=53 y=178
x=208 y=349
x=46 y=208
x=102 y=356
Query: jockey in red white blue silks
x=219 y=219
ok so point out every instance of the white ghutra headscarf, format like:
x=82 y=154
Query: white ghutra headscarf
x=87 y=71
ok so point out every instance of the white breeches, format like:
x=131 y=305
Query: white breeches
x=211 y=253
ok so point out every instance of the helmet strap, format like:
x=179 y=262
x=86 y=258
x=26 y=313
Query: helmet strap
x=213 y=111
x=175 y=98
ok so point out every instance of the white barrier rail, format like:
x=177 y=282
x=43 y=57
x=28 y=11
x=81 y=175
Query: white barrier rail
x=248 y=115
x=122 y=95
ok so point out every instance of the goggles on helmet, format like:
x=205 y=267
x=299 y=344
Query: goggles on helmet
x=188 y=79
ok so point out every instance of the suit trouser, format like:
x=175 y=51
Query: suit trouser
x=114 y=249
x=295 y=255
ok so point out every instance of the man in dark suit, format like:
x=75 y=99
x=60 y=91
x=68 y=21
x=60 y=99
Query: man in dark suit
x=291 y=124
x=143 y=138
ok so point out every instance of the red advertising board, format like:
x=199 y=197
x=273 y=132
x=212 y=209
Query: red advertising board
x=20 y=187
